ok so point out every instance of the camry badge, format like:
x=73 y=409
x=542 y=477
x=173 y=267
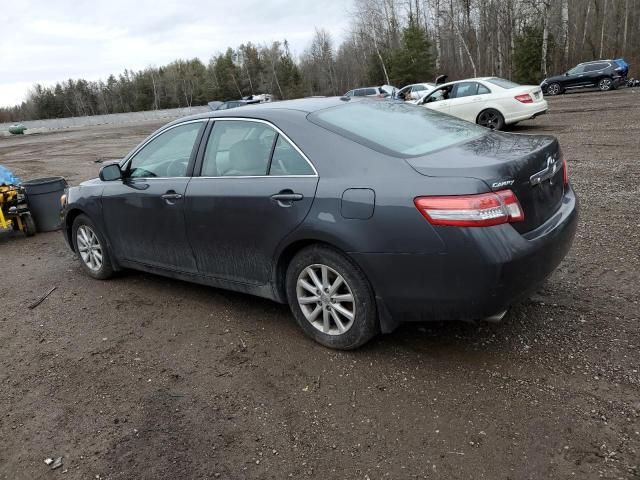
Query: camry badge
x=504 y=183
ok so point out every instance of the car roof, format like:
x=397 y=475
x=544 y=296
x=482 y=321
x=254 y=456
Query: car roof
x=594 y=61
x=305 y=105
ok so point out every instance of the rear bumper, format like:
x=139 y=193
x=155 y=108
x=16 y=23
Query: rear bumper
x=532 y=111
x=483 y=272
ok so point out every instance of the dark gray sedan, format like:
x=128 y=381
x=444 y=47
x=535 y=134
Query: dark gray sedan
x=360 y=214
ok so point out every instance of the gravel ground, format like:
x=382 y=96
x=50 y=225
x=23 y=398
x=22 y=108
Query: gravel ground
x=146 y=377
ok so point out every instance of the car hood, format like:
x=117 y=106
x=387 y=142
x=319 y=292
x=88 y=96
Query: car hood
x=555 y=78
x=88 y=183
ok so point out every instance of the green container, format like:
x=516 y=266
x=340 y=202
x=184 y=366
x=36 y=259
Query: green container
x=17 y=129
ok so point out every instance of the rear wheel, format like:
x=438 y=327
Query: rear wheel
x=491 y=118
x=91 y=247
x=330 y=298
x=605 y=84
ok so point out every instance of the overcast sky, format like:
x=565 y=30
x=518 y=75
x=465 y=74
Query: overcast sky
x=45 y=41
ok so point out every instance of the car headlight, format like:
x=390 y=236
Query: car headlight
x=63 y=200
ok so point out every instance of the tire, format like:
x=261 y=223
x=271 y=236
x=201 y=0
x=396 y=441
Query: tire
x=491 y=118
x=29 y=225
x=605 y=84
x=323 y=319
x=90 y=248
x=554 y=89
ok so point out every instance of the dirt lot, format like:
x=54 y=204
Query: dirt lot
x=145 y=377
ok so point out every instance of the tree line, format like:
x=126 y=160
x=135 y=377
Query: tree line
x=389 y=42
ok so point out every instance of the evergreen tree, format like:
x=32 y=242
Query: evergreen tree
x=527 y=55
x=412 y=62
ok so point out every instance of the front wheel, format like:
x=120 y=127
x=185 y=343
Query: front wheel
x=605 y=84
x=491 y=118
x=91 y=247
x=331 y=298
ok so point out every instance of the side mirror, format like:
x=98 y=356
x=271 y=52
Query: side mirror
x=566 y=74
x=110 y=172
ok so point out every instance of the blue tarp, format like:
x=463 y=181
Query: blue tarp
x=624 y=65
x=7 y=177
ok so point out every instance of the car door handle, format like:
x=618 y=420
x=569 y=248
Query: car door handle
x=286 y=197
x=170 y=197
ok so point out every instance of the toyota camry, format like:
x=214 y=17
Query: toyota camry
x=360 y=214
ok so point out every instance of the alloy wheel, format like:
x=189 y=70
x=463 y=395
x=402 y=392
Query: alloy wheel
x=489 y=119
x=326 y=300
x=89 y=247
x=605 y=84
x=553 y=89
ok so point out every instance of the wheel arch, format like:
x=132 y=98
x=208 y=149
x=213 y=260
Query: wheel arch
x=69 y=218
x=284 y=258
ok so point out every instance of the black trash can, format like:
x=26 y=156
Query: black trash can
x=43 y=197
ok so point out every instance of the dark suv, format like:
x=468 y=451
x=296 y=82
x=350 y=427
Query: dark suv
x=602 y=74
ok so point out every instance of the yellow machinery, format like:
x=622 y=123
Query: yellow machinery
x=14 y=213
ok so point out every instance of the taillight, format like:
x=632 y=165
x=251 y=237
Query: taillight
x=481 y=210
x=565 y=172
x=526 y=98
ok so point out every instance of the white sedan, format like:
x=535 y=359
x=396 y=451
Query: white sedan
x=489 y=101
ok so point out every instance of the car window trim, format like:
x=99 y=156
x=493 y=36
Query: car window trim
x=194 y=150
x=199 y=164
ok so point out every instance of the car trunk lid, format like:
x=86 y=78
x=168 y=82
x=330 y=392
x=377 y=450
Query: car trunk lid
x=530 y=165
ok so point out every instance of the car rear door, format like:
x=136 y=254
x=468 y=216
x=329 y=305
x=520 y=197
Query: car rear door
x=254 y=187
x=466 y=102
x=594 y=72
x=144 y=212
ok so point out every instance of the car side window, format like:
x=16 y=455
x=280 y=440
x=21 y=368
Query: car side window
x=167 y=155
x=287 y=161
x=576 y=70
x=359 y=92
x=371 y=91
x=438 y=95
x=482 y=90
x=465 y=89
x=238 y=148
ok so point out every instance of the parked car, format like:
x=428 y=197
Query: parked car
x=602 y=74
x=359 y=214
x=215 y=106
x=383 y=91
x=490 y=101
x=414 y=91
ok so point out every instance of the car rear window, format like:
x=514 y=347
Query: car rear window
x=501 y=82
x=396 y=129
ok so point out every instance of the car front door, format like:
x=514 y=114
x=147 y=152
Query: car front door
x=255 y=187
x=438 y=99
x=467 y=100
x=576 y=77
x=144 y=212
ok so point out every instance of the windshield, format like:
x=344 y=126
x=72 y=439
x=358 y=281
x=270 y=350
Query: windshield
x=396 y=129
x=501 y=82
